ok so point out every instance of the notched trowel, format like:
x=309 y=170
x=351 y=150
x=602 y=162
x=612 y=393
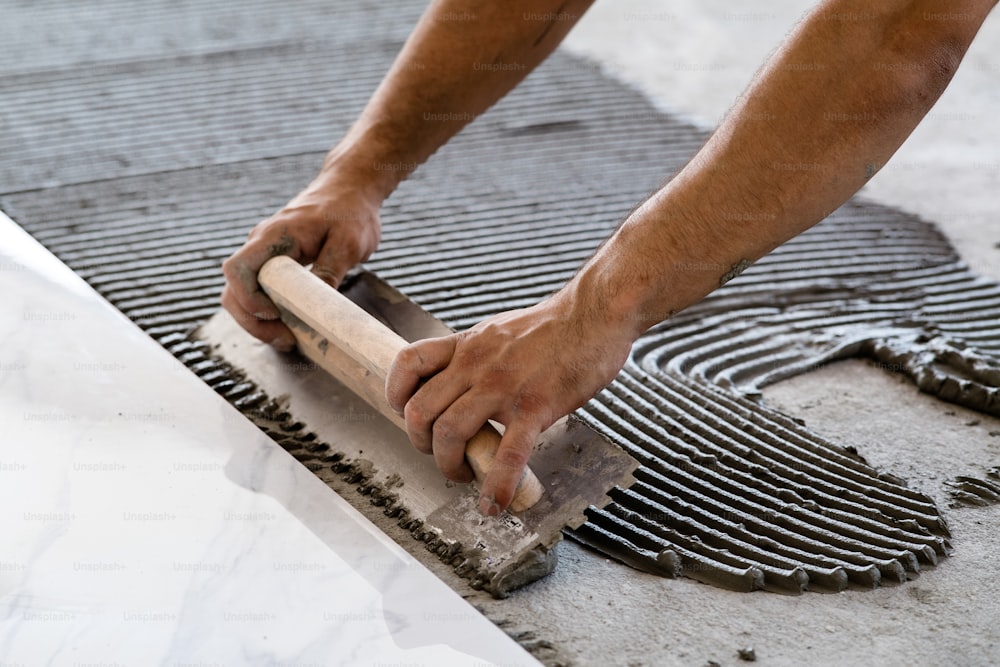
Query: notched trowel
x=351 y=337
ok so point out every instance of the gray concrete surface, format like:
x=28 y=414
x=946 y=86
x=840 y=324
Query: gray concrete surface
x=694 y=57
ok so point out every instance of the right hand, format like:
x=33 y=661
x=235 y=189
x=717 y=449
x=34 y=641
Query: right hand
x=331 y=224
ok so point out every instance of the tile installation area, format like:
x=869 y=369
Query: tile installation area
x=818 y=442
x=153 y=524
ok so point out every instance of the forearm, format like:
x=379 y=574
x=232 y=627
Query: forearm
x=832 y=106
x=462 y=57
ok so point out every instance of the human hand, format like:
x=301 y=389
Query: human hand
x=332 y=224
x=524 y=369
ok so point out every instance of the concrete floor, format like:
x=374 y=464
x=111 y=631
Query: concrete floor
x=694 y=57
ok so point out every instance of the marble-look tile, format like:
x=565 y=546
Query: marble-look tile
x=145 y=521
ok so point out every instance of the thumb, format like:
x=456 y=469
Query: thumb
x=332 y=264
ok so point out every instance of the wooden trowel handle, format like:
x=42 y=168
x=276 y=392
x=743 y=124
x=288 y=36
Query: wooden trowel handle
x=354 y=347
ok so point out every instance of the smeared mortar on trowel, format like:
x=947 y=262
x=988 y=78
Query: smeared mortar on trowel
x=343 y=470
x=349 y=438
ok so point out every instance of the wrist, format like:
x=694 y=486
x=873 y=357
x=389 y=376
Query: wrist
x=625 y=287
x=361 y=162
x=597 y=303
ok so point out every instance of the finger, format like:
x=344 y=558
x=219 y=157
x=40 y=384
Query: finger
x=333 y=262
x=428 y=403
x=273 y=332
x=508 y=467
x=240 y=271
x=414 y=363
x=452 y=431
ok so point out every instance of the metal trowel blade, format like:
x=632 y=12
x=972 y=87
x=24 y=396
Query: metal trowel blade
x=576 y=465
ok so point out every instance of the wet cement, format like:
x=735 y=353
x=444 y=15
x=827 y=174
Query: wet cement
x=143 y=170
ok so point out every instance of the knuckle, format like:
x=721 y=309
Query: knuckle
x=511 y=460
x=447 y=429
x=406 y=357
x=468 y=349
x=410 y=360
x=416 y=417
x=229 y=266
x=258 y=233
x=531 y=406
x=443 y=431
x=349 y=245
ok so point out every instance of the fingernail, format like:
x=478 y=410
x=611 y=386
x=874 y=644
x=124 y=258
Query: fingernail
x=284 y=343
x=488 y=506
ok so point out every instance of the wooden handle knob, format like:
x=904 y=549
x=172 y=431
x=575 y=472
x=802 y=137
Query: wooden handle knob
x=351 y=345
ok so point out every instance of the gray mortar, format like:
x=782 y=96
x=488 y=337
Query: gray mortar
x=761 y=532
x=151 y=242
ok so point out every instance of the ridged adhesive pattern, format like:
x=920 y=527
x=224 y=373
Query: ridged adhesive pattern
x=142 y=164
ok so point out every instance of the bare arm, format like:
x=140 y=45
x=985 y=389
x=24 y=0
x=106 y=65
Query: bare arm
x=832 y=105
x=462 y=57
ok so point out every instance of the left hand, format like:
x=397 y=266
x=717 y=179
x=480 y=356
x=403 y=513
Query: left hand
x=524 y=369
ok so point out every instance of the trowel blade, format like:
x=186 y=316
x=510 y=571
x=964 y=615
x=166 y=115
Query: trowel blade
x=576 y=465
